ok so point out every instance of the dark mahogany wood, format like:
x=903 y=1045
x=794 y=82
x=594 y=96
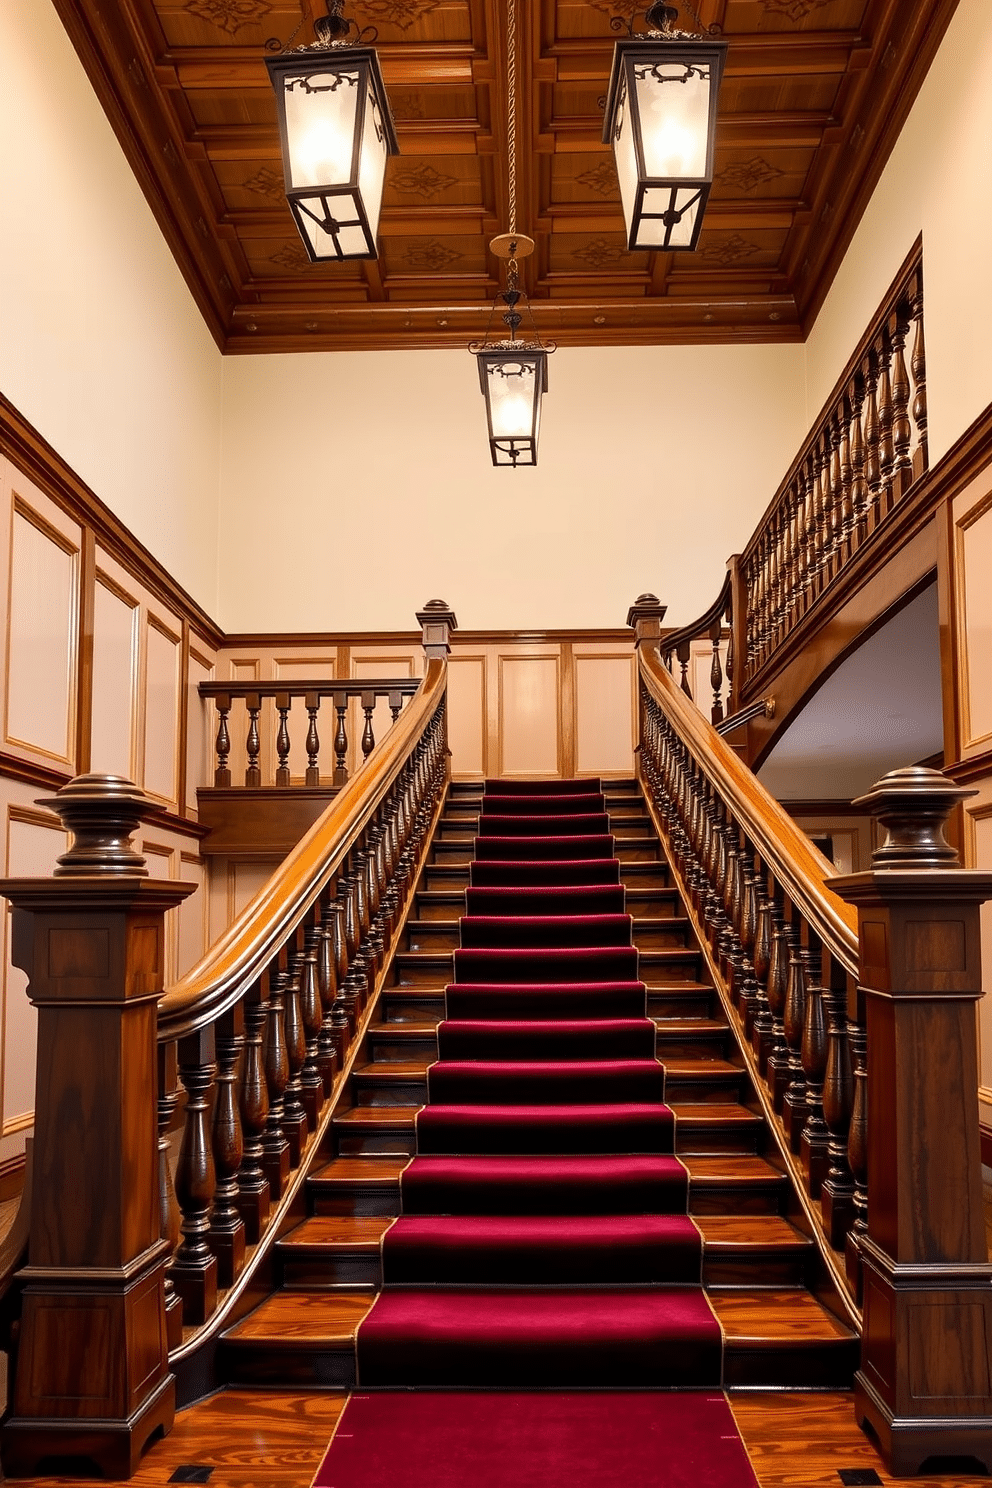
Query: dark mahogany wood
x=924 y=1385
x=91 y=1376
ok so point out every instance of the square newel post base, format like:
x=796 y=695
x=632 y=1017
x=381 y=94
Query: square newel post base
x=114 y=1447
x=197 y=1286
x=228 y=1247
x=907 y=1444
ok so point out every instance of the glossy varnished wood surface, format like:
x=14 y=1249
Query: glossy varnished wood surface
x=262 y=1439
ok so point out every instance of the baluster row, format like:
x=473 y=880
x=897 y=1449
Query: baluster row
x=283 y=702
x=868 y=451
x=789 y=991
x=267 y=1066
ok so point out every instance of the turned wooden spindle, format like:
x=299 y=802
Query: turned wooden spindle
x=253 y=1184
x=761 y=1026
x=716 y=673
x=222 y=774
x=683 y=652
x=886 y=449
x=815 y=1139
x=368 y=733
x=857 y=1156
x=902 y=429
x=341 y=739
x=777 y=1064
x=194 y=1269
x=294 y=1116
x=924 y=1384
x=312 y=704
x=227 y=1228
x=859 y=483
x=794 y=1101
x=837 y=1189
x=275 y=1145
x=168 y=1100
x=311 y=1008
x=330 y=1050
x=918 y=366
x=873 y=468
x=253 y=775
x=283 y=703
x=395 y=700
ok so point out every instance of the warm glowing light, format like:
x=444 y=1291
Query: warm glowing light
x=668 y=144
x=513 y=418
x=324 y=153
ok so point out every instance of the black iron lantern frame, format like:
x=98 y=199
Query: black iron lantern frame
x=661 y=114
x=513 y=375
x=335 y=133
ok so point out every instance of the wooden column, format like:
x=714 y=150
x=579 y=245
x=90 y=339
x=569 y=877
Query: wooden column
x=92 y=1377
x=924 y=1386
x=644 y=618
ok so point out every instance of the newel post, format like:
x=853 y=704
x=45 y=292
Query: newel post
x=92 y=1377
x=437 y=620
x=644 y=618
x=924 y=1385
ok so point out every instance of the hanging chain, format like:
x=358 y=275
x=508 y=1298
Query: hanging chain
x=511 y=110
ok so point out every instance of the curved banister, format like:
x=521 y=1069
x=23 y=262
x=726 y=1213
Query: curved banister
x=242 y=953
x=715 y=615
x=797 y=865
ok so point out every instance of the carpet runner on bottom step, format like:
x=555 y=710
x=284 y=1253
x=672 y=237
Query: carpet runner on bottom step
x=543 y=1238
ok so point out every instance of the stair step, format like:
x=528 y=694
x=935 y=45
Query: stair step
x=716 y=1127
x=786 y=1337
x=334 y=1251
x=296 y=1338
x=658 y=968
x=368 y=1129
x=423 y=968
x=657 y=933
x=678 y=1037
x=358 y=1186
x=442 y=904
x=653 y=902
x=733 y=1184
x=752 y=1249
x=413 y=1004
x=688 y=1079
x=680 y=999
x=416 y=1039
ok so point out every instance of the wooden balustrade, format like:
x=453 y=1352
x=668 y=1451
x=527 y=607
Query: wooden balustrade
x=867 y=449
x=261 y=1035
x=860 y=1039
x=369 y=692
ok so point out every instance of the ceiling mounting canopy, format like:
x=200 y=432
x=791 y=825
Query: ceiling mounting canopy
x=812 y=98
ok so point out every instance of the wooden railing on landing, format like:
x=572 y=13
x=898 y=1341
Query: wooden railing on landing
x=823 y=999
x=865 y=452
x=131 y=1274
x=394 y=691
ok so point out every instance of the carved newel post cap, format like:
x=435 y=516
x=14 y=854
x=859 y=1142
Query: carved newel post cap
x=101 y=811
x=645 y=616
x=435 y=610
x=913 y=805
x=438 y=621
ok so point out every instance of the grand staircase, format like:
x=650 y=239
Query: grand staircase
x=762 y=1273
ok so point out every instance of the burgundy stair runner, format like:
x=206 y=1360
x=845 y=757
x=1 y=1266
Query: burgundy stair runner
x=543 y=1238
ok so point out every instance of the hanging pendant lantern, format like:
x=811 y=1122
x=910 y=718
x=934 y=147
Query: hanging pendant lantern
x=661 y=120
x=335 y=132
x=513 y=374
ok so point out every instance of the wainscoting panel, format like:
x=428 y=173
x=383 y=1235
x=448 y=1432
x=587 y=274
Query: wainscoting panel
x=529 y=714
x=973 y=564
x=605 y=719
x=163 y=674
x=201 y=724
x=41 y=583
x=116 y=666
x=467 y=714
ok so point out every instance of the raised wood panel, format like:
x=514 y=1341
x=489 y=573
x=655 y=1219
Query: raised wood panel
x=467 y=724
x=979 y=838
x=529 y=715
x=163 y=671
x=116 y=655
x=974 y=566
x=201 y=727
x=42 y=643
x=161 y=860
x=389 y=661
x=604 y=714
x=193 y=915
x=33 y=841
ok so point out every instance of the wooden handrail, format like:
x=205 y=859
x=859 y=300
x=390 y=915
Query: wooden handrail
x=238 y=958
x=709 y=626
x=321 y=686
x=798 y=866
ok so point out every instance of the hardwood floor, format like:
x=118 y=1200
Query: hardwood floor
x=262 y=1439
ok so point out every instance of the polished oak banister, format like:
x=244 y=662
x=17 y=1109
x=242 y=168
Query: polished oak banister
x=799 y=866
x=239 y=956
x=709 y=626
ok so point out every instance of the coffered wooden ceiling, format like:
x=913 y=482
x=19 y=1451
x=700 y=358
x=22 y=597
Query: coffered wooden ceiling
x=813 y=98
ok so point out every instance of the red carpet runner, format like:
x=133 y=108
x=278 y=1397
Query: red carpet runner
x=541 y=1440
x=543 y=1239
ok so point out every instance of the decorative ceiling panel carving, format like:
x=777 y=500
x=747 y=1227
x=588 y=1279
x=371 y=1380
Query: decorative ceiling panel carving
x=814 y=95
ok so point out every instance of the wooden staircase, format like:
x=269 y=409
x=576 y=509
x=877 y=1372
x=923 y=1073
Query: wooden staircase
x=763 y=1273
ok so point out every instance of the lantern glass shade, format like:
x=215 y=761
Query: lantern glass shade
x=336 y=135
x=661 y=120
x=513 y=381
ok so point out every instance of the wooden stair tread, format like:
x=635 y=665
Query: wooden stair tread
x=741 y=1232
x=324 y=1319
x=362 y=1171
x=684 y=1068
x=354 y=1233
x=719 y=1168
x=764 y=1316
x=412 y=1030
x=393 y=1117
x=703 y=1113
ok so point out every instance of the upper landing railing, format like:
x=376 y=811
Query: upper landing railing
x=866 y=452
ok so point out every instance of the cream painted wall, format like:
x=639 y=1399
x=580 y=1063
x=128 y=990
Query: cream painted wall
x=655 y=463
x=937 y=180
x=101 y=345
